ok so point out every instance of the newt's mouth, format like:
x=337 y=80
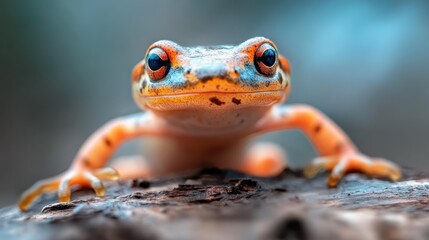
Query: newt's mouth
x=202 y=93
x=213 y=99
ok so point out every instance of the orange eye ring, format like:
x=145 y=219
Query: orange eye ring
x=157 y=64
x=266 y=60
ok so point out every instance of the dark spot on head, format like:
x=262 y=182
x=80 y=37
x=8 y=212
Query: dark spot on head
x=107 y=142
x=141 y=90
x=237 y=115
x=217 y=87
x=188 y=71
x=317 y=127
x=281 y=79
x=242 y=121
x=267 y=83
x=206 y=79
x=235 y=70
x=144 y=84
x=236 y=100
x=216 y=101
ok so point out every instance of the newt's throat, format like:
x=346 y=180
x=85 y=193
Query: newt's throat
x=214 y=120
x=213 y=101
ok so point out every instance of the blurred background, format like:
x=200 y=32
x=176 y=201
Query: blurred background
x=65 y=70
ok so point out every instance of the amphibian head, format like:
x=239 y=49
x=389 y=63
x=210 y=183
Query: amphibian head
x=204 y=87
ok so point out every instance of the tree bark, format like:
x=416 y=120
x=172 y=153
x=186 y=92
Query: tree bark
x=219 y=204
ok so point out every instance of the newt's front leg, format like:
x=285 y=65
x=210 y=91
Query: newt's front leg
x=338 y=154
x=87 y=168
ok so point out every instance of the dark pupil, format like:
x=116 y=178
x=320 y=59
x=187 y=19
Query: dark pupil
x=155 y=62
x=268 y=57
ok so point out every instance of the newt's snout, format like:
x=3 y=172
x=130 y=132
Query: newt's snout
x=209 y=72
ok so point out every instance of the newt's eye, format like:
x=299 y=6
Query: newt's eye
x=158 y=64
x=266 y=59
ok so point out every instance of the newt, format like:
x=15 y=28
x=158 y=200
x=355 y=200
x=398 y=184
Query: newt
x=201 y=106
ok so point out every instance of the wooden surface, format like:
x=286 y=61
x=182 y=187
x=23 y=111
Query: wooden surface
x=217 y=204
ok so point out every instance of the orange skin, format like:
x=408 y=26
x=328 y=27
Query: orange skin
x=202 y=105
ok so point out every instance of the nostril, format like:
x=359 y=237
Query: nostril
x=190 y=77
x=236 y=70
x=235 y=73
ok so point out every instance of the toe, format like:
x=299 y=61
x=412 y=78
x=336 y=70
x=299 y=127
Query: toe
x=384 y=169
x=107 y=173
x=318 y=165
x=64 y=191
x=36 y=190
x=351 y=162
x=96 y=184
x=338 y=172
x=63 y=183
x=378 y=167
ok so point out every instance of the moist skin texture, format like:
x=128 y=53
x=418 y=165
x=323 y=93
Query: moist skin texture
x=201 y=105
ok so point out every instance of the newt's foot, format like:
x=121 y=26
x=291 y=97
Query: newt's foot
x=63 y=182
x=352 y=162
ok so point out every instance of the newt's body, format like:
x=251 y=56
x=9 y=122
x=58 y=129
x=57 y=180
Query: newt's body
x=202 y=104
